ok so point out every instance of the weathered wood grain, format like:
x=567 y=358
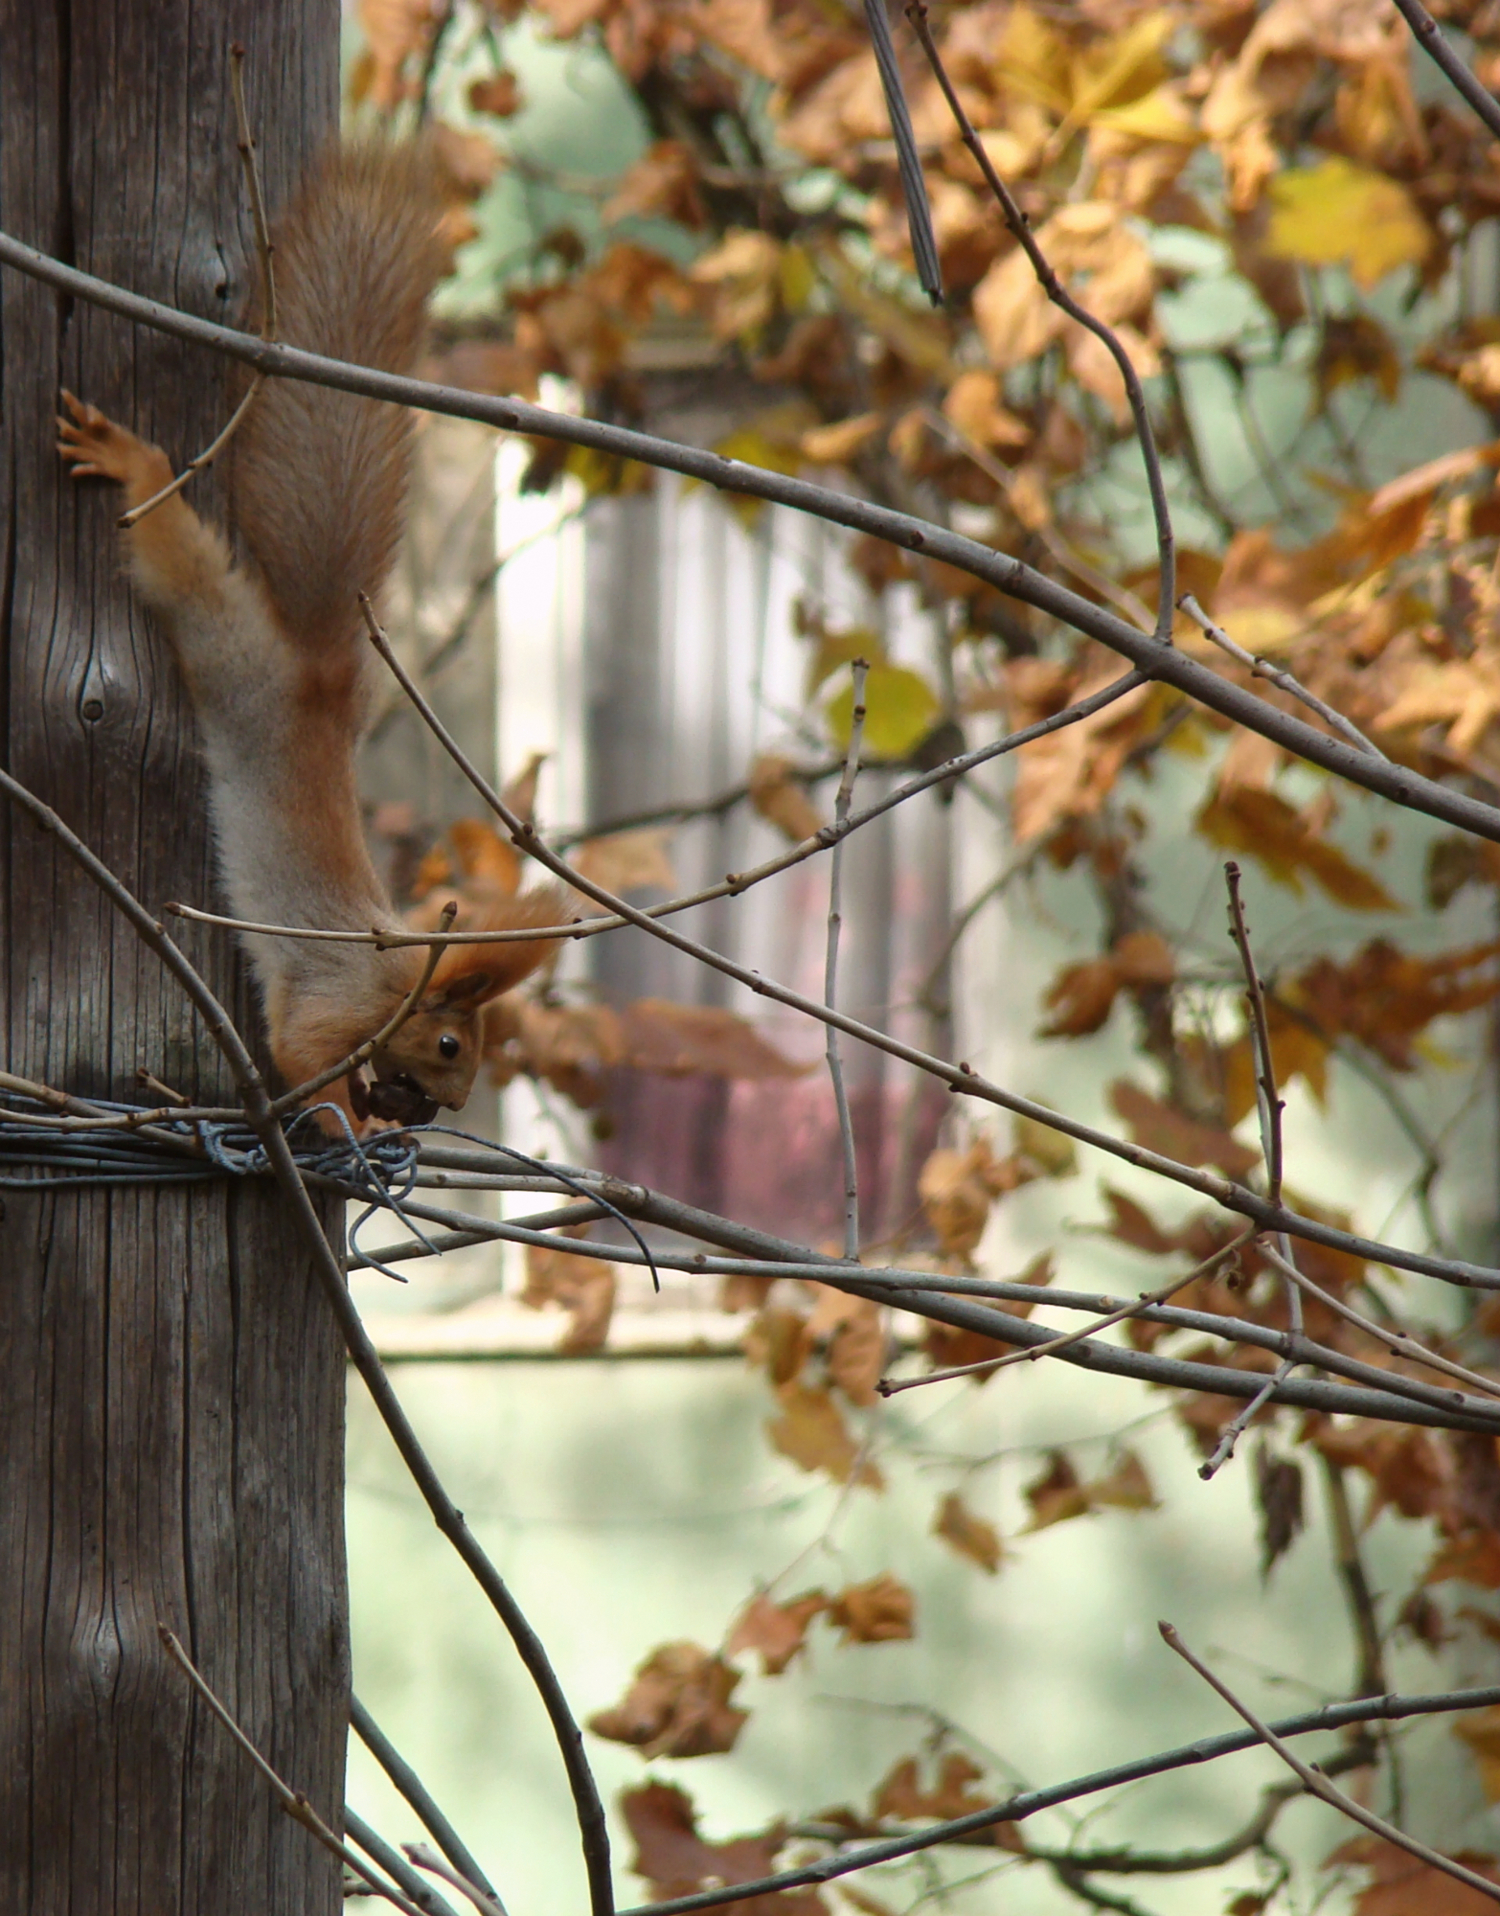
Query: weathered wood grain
x=171 y=1386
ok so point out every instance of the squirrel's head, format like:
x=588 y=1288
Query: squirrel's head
x=432 y=1059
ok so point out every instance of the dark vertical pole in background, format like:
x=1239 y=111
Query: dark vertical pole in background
x=171 y=1386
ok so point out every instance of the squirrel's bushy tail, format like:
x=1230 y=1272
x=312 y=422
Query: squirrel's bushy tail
x=319 y=477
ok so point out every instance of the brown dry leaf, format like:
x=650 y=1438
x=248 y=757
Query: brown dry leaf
x=880 y=1611
x=1403 y=1885
x=395 y=31
x=1298 y=1050
x=1126 y=1487
x=677 y=1041
x=1282 y=841
x=743 y=273
x=1168 y=1132
x=1386 y=997
x=903 y=1797
x=857 y=1353
x=949 y=1348
x=781 y=798
x=499 y=94
x=836 y=444
x=1474 y=1558
x=974 y=405
x=957 y=1189
x=970 y=1535
x=1461 y=694
x=676 y=1861
x=569 y=1046
x=584 y=1286
x=627 y=862
x=662 y=183
x=779 y=1343
x=1056 y=1495
x=1278 y=1498
x=678 y=1705
x=812 y=1432
x=775 y=1631
x=1081 y=996
x=1410 y=1468
x=1480 y=1729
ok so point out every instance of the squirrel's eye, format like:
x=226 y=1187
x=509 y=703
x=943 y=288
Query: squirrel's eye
x=448 y=1045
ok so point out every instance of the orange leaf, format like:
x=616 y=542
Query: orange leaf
x=1160 y=1128
x=1266 y=828
x=676 y=1861
x=678 y=1705
x=880 y=1611
x=681 y=1040
x=1403 y=1885
x=777 y=1631
x=902 y=1796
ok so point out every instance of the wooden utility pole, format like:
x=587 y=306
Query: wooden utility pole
x=171 y=1383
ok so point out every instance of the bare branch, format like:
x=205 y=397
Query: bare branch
x=860 y=670
x=1431 y=40
x=1317 y=1784
x=416 y=1793
x=1006 y=574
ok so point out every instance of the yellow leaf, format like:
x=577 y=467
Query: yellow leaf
x=1338 y=213
x=833 y=445
x=900 y=710
x=1161 y=114
x=1121 y=70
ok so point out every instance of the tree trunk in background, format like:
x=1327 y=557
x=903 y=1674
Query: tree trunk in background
x=171 y=1387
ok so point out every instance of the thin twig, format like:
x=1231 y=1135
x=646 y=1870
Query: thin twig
x=1267 y=1097
x=1318 y=1784
x=1369 y=1678
x=428 y=1859
x=1264 y=669
x=1052 y=286
x=888 y=1387
x=860 y=672
x=362 y=1053
x=1401 y=1342
x=395 y=1866
x=1026 y=1803
x=263 y=250
x=294 y=1802
x=1006 y=574
x=417 y=1794
x=1232 y=1432
x=1433 y=43
x=731 y=886
x=961 y=1077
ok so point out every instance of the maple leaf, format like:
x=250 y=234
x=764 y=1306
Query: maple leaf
x=1174 y=1135
x=1283 y=842
x=902 y=1796
x=880 y=1611
x=676 y=1861
x=678 y=1705
x=812 y=1432
x=776 y=1631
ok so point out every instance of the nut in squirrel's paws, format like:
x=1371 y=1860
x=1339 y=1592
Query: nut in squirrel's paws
x=97 y=447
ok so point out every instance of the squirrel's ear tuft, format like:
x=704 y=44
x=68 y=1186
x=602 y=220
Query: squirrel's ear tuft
x=469 y=975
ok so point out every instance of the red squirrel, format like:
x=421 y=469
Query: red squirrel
x=276 y=660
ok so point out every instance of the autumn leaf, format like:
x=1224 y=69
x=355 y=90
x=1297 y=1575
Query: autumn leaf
x=957 y=1189
x=1173 y=1135
x=627 y=862
x=902 y=1796
x=970 y=1535
x=678 y=1705
x=1059 y=1493
x=1282 y=841
x=900 y=710
x=676 y=1861
x=499 y=94
x=780 y=1343
x=584 y=1286
x=1337 y=213
x=777 y=1632
x=1402 y=1885
x=812 y=1432
x=836 y=444
x=677 y=1041
x=880 y=1611
x=781 y=798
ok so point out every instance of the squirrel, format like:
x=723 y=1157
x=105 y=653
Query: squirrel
x=276 y=661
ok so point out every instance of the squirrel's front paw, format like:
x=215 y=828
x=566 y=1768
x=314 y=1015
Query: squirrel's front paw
x=96 y=446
